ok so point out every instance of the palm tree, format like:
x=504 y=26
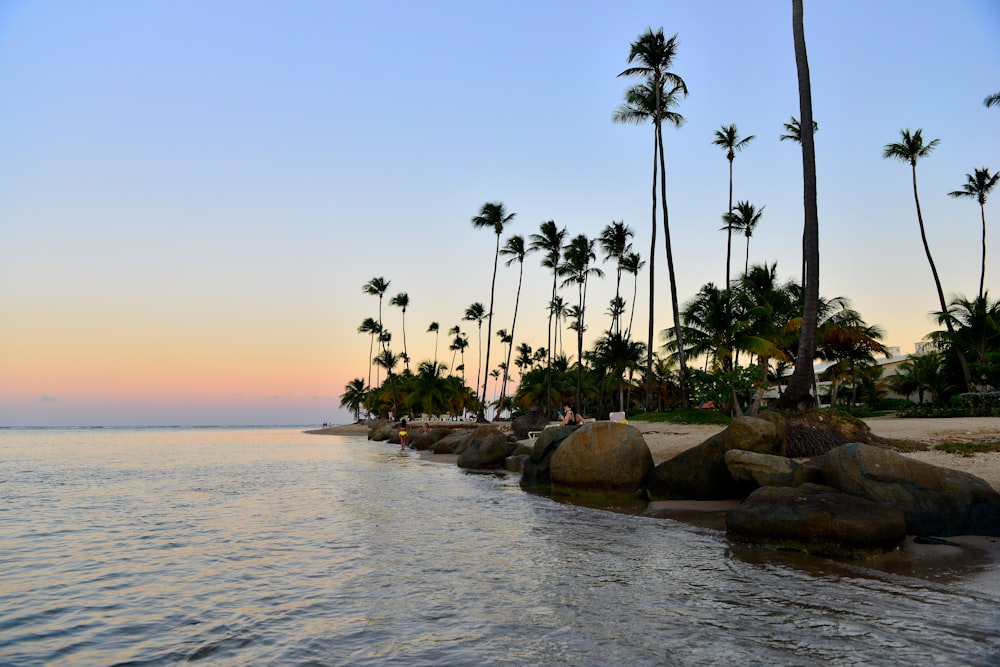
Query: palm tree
x=430 y=391
x=976 y=333
x=921 y=372
x=728 y=139
x=388 y=359
x=618 y=355
x=911 y=149
x=977 y=186
x=402 y=300
x=458 y=345
x=793 y=132
x=435 y=328
x=493 y=215
x=353 y=396
x=559 y=310
x=549 y=241
x=577 y=269
x=992 y=100
x=614 y=240
x=378 y=286
x=633 y=264
x=797 y=393
x=477 y=313
x=655 y=54
x=744 y=217
x=516 y=250
x=454 y=331
x=371 y=327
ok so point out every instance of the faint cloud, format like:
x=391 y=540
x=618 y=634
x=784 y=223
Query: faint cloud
x=48 y=399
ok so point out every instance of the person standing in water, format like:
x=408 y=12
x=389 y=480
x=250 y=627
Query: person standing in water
x=402 y=435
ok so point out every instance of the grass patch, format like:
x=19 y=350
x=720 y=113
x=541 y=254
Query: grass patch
x=683 y=416
x=969 y=448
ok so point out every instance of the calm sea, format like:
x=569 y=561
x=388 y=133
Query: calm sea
x=267 y=546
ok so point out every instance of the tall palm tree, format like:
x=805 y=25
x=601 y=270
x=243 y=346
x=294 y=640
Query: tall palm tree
x=353 y=397
x=372 y=328
x=912 y=148
x=492 y=215
x=549 y=240
x=977 y=185
x=435 y=328
x=654 y=55
x=402 y=300
x=797 y=393
x=378 y=286
x=633 y=264
x=458 y=345
x=793 y=131
x=614 y=240
x=728 y=139
x=992 y=100
x=516 y=251
x=388 y=359
x=577 y=269
x=744 y=217
x=454 y=331
x=477 y=313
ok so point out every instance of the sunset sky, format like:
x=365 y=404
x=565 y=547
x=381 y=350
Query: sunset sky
x=192 y=193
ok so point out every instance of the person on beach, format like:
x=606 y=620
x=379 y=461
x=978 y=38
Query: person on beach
x=425 y=429
x=570 y=418
x=402 y=435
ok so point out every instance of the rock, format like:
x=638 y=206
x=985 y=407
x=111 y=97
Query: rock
x=601 y=459
x=488 y=448
x=533 y=421
x=935 y=501
x=536 y=476
x=449 y=443
x=700 y=473
x=424 y=441
x=768 y=470
x=816 y=519
x=515 y=462
x=381 y=430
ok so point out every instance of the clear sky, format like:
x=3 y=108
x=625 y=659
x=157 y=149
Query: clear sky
x=193 y=192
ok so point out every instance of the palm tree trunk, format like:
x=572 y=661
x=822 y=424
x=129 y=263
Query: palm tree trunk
x=966 y=375
x=797 y=393
x=729 y=229
x=982 y=272
x=548 y=370
x=506 y=370
x=652 y=283
x=682 y=364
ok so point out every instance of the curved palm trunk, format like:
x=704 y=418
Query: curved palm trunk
x=729 y=229
x=635 y=290
x=966 y=375
x=796 y=395
x=406 y=356
x=510 y=348
x=579 y=349
x=371 y=354
x=652 y=282
x=481 y=414
x=982 y=272
x=548 y=370
x=682 y=364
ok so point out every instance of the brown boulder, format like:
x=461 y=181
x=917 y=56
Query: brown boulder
x=601 y=459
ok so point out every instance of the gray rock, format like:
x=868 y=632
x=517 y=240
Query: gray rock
x=454 y=439
x=768 y=470
x=537 y=476
x=486 y=449
x=424 y=441
x=533 y=421
x=700 y=473
x=816 y=519
x=601 y=459
x=935 y=500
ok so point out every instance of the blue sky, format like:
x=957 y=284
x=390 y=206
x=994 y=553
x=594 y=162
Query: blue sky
x=193 y=193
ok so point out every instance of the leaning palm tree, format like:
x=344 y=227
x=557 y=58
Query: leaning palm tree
x=402 y=300
x=912 y=148
x=614 y=240
x=728 y=139
x=977 y=186
x=633 y=263
x=372 y=328
x=577 y=269
x=797 y=394
x=492 y=215
x=654 y=54
x=744 y=217
x=353 y=397
x=549 y=241
x=477 y=313
x=516 y=250
x=435 y=328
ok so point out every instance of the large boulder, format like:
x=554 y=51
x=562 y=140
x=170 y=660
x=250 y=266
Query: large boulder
x=487 y=447
x=537 y=476
x=525 y=424
x=456 y=439
x=700 y=473
x=424 y=441
x=936 y=501
x=380 y=430
x=601 y=460
x=768 y=470
x=816 y=519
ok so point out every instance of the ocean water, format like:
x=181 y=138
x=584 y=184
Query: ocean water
x=267 y=546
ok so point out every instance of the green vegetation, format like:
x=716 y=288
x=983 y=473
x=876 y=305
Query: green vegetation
x=683 y=416
x=969 y=448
